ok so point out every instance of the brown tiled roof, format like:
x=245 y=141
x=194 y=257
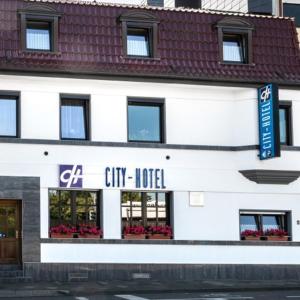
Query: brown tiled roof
x=90 y=42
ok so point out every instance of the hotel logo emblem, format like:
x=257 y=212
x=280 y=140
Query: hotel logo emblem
x=70 y=176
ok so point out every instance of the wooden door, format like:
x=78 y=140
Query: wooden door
x=10 y=231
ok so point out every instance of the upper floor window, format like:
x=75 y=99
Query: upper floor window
x=138 y=41
x=139 y=32
x=145 y=120
x=74 y=115
x=39 y=28
x=285 y=123
x=38 y=35
x=235 y=41
x=9 y=115
x=234 y=48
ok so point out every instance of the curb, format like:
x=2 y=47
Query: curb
x=22 y=293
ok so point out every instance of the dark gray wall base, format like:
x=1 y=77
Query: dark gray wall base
x=27 y=190
x=92 y=272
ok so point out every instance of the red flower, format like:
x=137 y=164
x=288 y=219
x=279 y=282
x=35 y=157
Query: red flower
x=275 y=232
x=251 y=233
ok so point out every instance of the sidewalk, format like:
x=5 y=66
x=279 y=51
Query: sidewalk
x=138 y=286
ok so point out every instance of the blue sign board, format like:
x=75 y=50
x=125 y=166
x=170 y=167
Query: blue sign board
x=268 y=121
x=70 y=176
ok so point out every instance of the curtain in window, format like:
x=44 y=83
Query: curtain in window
x=271 y=222
x=38 y=39
x=249 y=222
x=232 y=51
x=73 y=119
x=138 y=44
x=283 y=126
x=8 y=121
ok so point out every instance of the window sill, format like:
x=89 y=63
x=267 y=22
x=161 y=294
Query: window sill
x=141 y=58
x=45 y=52
x=232 y=63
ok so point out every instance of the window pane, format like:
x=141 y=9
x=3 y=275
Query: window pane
x=232 y=49
x=38 y=36
x=144 y=123
x=73 y=119
x=283 y=125
x=248 y=223
x=131 y=208
x=138 y=42
x=270 y=222
x=8 y=117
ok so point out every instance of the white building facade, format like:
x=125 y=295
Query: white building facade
x=202 y=177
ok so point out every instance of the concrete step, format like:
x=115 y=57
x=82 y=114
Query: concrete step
x=10 y=267
x=21 y=279
x=15 y=273
x=78 y=277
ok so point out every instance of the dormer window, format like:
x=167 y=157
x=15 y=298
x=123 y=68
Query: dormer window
x=234 y=48
x=38 y=35
x=138 y=41
x=139 y=32
x=235 y=41
x=39 y=28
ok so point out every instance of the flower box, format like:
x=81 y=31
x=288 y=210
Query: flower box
x=251 y=238
x=158 y=236
x=132 y=236
x=89 y=236
x=277 y=238
x=61 y=235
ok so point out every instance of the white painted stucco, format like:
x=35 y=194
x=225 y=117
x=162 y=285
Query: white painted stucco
x=195 y=115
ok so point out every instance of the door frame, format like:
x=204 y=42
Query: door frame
x=18 y=204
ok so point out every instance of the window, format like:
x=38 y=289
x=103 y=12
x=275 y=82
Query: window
x=235 y=40
x=38 y=35
x=139 y=32
x=138 y=41
x=234 y=48
x=74 y=115
x=292 y=10
x=74 y=208
x=263 y=223
x=145 y=209
x=9 y=115
x=39 y=28
x=285 y=123
x=145 y=120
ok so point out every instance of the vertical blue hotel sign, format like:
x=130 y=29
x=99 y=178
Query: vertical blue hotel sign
x=268 y=114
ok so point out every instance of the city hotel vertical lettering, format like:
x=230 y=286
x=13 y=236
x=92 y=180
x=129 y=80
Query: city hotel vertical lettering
x=116 y=177
x=268 y=121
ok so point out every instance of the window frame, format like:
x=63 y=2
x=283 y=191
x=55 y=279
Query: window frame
x=259 y=213
x=168 y=207
x=87 y=114
x=38 y=16
x=156 y=102
x=73 y=205
x=287 y=105
x=13 y=96
x=140 y=20
x=239 y=38
x=149 y=44
x=238 y=27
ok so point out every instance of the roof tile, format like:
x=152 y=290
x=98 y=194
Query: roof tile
x=90 y=41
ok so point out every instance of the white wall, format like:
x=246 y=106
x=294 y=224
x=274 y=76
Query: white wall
x=169 y=254
x=195 y=114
